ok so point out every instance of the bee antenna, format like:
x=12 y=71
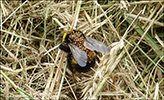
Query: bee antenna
x=60 y=36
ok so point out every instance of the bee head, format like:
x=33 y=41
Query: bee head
x=64 y=45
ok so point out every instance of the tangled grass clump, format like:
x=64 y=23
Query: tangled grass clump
x=33 y=67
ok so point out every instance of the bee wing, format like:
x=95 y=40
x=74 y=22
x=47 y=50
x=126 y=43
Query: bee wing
x=96 y=45
x=79 y=55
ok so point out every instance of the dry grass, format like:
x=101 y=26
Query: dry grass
x=134 y=31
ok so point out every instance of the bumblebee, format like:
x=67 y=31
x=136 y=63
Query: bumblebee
x=81 y=50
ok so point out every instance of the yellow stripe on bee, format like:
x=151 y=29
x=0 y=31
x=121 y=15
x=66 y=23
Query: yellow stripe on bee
x=64 y=36
x=76 y=29
x=94 y=54
x=73 y=61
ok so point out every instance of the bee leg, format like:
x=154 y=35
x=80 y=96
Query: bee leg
x=73 y=75
x=71 y=69
x=70 y=66
x=97 y=59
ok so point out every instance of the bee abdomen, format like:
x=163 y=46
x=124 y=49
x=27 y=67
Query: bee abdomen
x=72 y=65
